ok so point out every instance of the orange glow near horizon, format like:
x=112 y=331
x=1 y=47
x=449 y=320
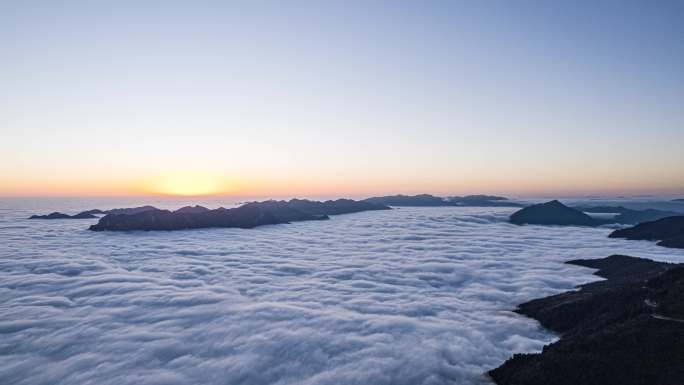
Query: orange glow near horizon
x=188 y=183
x=281 y=181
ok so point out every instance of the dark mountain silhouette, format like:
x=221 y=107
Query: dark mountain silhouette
x=427 y=200
x=89 y=214
x=333 y=207
x=627 y=216
x=93 y=212
x=130 y=210
x=669 y=231
x=192 y=209
x=246 y=216
x=482 y=201
x=58 y=215
x=627 y=330
x=340 y=206
x=631 y=217
x=479 y=197
x=408 y=200
x=552 y=213
x=674 y=242
x=602 y=209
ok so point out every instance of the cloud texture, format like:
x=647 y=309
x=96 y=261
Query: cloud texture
x=410 y=296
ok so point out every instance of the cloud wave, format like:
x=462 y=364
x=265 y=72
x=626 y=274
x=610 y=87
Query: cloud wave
x=408 y=296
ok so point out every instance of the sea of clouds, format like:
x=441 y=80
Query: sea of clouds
x=408 y=296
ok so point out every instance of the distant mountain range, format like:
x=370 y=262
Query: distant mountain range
x=556 y=213
x=249 y=215
x=653 y=225
x=427 y=200
x=254 y=214
x=89 y=214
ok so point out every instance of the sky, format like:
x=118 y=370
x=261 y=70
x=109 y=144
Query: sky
x=341 y=98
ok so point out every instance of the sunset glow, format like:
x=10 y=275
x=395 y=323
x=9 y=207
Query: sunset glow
x=188 y=184
x=341 y=192
x=445 y=98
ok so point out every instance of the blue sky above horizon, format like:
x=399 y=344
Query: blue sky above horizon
x=528 y=97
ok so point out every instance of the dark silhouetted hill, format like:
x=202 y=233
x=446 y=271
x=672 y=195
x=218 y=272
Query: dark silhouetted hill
x=93 y=212
x=249 y=215
x=482 y=201
x=427 y=200
x=602 y=209
x=192 y=209
x=631 y=217
x=626 y=330
x=130 y=210
x=627 y=216
x=408 y=200
x=89 y=214
x=58 y=215
x=669 y=231
x=552 y=213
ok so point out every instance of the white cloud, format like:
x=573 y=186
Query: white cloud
x=410 y=296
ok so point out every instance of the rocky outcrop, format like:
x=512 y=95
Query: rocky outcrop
x=58 y=215
x=669 y=231
x=552 y=213
x=626 y=330
x=246 y=216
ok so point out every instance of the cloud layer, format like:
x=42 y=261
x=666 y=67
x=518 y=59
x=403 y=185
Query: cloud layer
x=410 y=296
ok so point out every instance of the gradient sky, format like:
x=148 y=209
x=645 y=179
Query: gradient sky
x=342 y=97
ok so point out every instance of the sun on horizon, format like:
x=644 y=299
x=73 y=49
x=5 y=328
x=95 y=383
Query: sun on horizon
x=342 y=192
x=188 y=183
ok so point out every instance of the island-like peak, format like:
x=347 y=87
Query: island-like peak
x=427 y=200
x=249 y=215
x=669 y=231
x=58 y=215
x=552 y=213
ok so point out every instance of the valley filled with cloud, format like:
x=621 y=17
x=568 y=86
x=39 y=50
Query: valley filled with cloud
x=407 y=296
